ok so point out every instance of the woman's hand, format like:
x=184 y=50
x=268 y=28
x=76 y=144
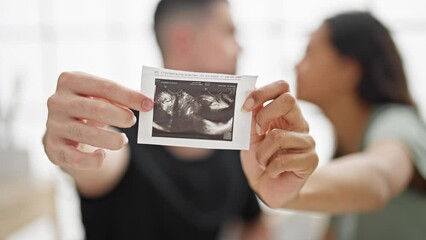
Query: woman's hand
x=282 y=153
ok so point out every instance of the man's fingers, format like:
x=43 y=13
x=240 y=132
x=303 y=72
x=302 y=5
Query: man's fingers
x=71 y=157
x=63 y=154
x=79 y=132
x=88 y=85
x=283 y=108
x=261 y=95
x=280 y=141
x=78 y=112
x=91 y=109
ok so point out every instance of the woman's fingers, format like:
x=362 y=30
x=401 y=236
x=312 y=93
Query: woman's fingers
x=282 y=153
x=283 y=108
x=300 y=164
x=278 y=142
x=261 y=95
x=283 y=111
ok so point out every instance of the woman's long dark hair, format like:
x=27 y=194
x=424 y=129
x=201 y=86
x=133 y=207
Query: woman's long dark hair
x=360 y=36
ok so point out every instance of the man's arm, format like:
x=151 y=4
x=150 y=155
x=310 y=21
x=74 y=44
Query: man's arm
x=96 y=182
x=78 y=138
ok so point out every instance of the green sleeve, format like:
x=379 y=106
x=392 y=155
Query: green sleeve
x=403 y=123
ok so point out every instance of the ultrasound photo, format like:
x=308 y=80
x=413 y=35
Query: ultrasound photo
x=194 y=109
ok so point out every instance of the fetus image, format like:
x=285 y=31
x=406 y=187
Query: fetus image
x=193 y=109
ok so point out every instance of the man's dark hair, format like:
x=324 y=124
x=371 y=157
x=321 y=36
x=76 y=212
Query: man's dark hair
x=166 y=10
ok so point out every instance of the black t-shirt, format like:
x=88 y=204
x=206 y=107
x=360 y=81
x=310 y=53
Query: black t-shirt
x=161 y=197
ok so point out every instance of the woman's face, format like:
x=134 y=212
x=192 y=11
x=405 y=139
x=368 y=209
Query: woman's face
x=322 y=74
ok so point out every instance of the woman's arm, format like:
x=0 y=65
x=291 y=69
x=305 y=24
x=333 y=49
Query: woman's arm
x=358 y=182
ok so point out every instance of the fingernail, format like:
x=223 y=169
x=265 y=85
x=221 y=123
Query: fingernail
x=134 y=119
x=102 y=152
x=126 y=140
x=147 y=105
x=248 y=105
x=258 y=129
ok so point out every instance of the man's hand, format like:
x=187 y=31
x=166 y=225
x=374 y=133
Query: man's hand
x=282 y=153
x=79 y=112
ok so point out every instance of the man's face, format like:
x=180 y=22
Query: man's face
x=215 y=46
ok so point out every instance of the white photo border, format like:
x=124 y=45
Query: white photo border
x=242 y=119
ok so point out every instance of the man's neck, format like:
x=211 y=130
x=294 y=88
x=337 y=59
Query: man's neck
x=178 y=64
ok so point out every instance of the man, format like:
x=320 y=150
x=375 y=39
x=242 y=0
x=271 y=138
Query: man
x=154 y=192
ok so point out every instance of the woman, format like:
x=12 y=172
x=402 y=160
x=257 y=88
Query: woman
x=353 y=72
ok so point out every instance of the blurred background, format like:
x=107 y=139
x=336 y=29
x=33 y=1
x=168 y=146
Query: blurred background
x=113 y=39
